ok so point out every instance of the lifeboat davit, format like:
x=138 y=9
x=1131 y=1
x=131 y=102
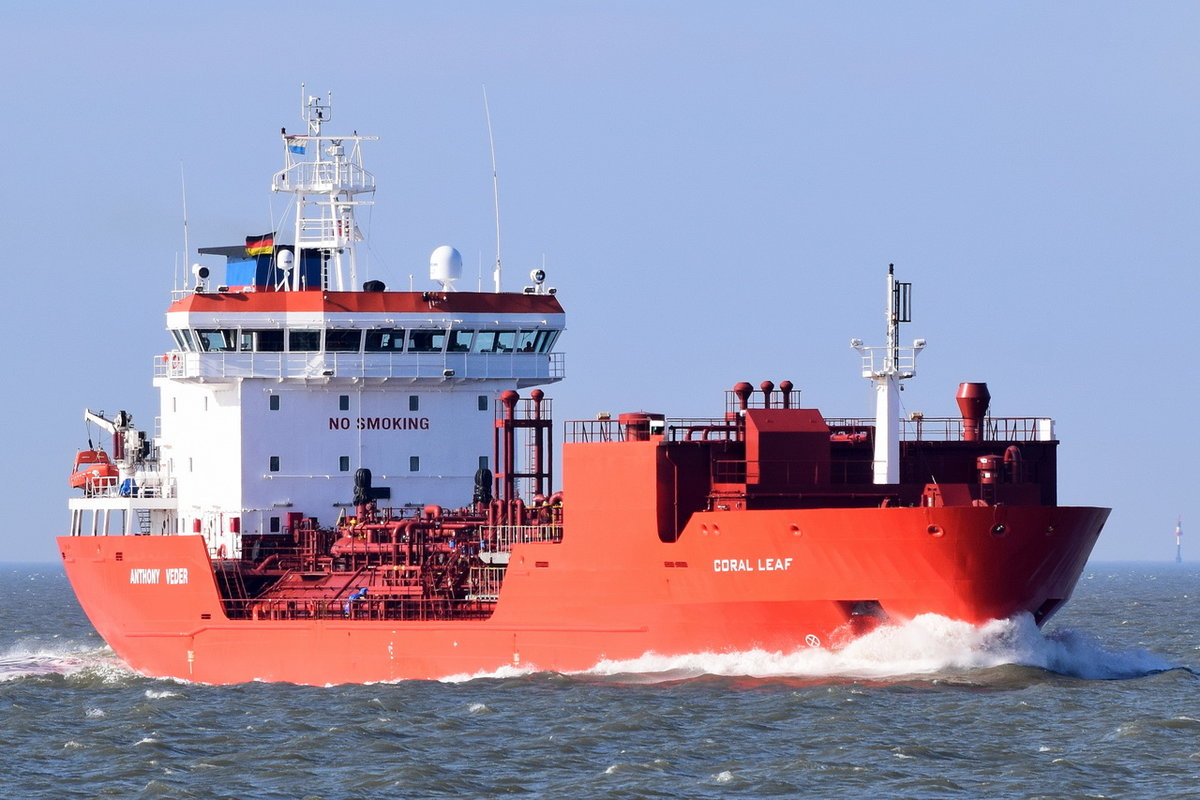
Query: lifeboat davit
x=93 y=470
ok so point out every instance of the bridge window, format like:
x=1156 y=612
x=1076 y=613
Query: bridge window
x=545 y=341
x=303 y=341
x=495 y=341
x=526 y=341
x=426 y=341
x=460 y=341
x=385 y=340
x=217 y=341
x=262 y=341
x=183 y=339
x=340 y=340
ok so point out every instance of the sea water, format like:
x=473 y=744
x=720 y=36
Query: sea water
x=1103 y=703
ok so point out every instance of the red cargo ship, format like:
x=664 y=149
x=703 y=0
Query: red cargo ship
x=346 y=486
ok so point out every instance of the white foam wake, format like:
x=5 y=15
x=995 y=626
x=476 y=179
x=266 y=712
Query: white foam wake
x=927 y=646
x=39 y=661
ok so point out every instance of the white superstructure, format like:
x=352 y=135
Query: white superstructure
x=285 y=380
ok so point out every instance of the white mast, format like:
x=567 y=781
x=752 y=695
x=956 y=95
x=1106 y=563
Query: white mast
x=1179 y=540
x=326 y=180
x=897 y=364
x=495 y=187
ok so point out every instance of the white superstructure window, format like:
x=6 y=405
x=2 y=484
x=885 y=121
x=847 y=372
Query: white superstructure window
x=494 y=342
x=304 y=341
x=262 y=341
x=426 y=341
x=385 y=340
x=338 y=340
x=217 y=341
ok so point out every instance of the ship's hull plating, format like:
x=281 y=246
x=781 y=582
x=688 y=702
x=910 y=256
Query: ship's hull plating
x=776 y=580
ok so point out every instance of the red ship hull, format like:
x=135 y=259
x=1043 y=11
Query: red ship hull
x=771 y=579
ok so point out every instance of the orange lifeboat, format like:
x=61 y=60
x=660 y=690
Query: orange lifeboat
x=93 y=471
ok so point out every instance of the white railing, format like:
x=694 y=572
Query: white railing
x=874 y=360
x=501 y=538
x=950 y=429
x=113 y=487
x=528 y=366
x=324 y=177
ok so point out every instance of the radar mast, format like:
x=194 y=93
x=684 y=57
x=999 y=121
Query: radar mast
x=886 y=366
x=327 y=177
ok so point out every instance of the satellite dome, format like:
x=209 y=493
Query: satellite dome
x=445 y=265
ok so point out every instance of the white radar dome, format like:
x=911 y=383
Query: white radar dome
x=445 y=265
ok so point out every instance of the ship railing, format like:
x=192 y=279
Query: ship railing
x=501 y=538
x=382 y=606
x=439 y=366
x=593 y=430
x=875 y=360
x=486 y=582
x=606 y=429
x=919 y=428
x=782 y=472
x=110 y=487
x=324 y=177
x=916 y=428
x=701 y=430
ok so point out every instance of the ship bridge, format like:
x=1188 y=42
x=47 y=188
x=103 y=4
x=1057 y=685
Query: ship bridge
x=405 y=336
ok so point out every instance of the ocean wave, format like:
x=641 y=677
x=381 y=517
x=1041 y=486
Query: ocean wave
x=74 y=662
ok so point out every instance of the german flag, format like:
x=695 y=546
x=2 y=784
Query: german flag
x=260 y=245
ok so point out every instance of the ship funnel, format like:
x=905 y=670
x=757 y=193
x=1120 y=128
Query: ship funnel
x=973 y=399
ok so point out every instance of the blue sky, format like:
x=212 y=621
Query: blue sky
x=716 y=190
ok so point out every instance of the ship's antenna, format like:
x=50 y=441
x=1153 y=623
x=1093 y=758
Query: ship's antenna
x=896 y=364
x=495 y=184
x=187 y=251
